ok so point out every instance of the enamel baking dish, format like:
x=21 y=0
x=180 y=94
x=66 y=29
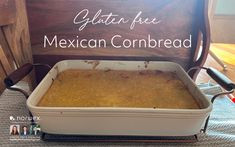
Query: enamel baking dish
x=119 y=121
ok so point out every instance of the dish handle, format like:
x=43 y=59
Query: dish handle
x=222 y=80
x=17 y=75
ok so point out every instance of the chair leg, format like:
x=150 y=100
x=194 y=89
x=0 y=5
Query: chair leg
x=218 y=60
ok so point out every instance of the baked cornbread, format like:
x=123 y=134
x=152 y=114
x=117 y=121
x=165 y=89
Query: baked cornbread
x=109 y=88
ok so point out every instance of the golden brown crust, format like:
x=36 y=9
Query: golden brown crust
x=137 y=89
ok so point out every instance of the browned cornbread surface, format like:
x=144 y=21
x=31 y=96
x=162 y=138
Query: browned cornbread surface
x=137 y=89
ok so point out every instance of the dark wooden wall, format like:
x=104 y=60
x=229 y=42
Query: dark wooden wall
x=180 y=18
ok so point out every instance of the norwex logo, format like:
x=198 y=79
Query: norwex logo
x=24 y=118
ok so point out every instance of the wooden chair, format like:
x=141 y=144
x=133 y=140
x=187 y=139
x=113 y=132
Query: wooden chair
x=15 y=48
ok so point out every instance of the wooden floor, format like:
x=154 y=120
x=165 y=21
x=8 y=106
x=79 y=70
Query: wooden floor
x=226 y=52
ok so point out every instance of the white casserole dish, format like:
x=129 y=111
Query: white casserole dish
x=119 y=121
